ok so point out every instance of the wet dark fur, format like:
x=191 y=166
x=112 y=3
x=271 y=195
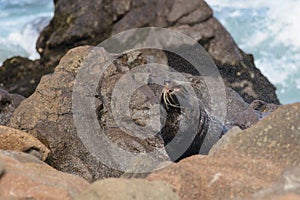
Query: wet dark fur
x=171 y=127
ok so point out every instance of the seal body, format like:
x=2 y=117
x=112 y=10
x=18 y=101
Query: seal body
x=189 y=125
x=184 y=130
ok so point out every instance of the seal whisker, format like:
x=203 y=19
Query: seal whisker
x=168 y=98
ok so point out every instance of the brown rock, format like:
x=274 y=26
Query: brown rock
x=48 y=115
x=242 y=162
x=275 y=138
x=16 y=140
x=287 y=186
x=204 y=177
x=286 y=197
x=128 y=189
x=26 y=177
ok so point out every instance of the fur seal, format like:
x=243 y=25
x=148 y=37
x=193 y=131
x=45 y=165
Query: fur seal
x=178 y=110
x=176 y=132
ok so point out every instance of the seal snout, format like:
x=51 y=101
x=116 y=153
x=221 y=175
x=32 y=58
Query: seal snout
x=169 y=96
x=175 y=95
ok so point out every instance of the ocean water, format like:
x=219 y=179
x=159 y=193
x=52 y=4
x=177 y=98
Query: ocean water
x=270 y=30
x=21 y=21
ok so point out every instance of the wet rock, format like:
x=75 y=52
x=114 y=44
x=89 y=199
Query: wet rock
x=21 y=75
x=264 y=108
x=74 y=25
x=4 y=97
x=8 y=103
x=26 y=177
x=16 y=140
x=128 y=189
x=194 y=19
x=80 y=24
x=243 y=162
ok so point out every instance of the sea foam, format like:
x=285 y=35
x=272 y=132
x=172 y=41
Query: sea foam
x=21 y=22
x=270 y=31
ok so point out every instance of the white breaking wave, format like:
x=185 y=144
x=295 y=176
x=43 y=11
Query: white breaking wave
x=21 y=23
x=25 y=38
x=270 y=30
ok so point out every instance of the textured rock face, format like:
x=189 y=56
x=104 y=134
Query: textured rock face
x=257 y=160
x=194 y=18
x=15 y=140
x=25 y=177
x=287 y=187
x=74 y=25
x=91 y=22
x=8 y=103
x=48 y=114
x=128 y=189
x=21 y=75
x=275 y=138
x=200 y=177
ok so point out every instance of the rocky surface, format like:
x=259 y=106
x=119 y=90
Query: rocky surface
x=276 y=138
x=286 y=187
x=21 y=75
x=8 y=103
x=257 y=159
x=48 y=113
x=16 y=140
x=244 y=162
x=25 y=177
x=128 y=189
x=81 y=24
